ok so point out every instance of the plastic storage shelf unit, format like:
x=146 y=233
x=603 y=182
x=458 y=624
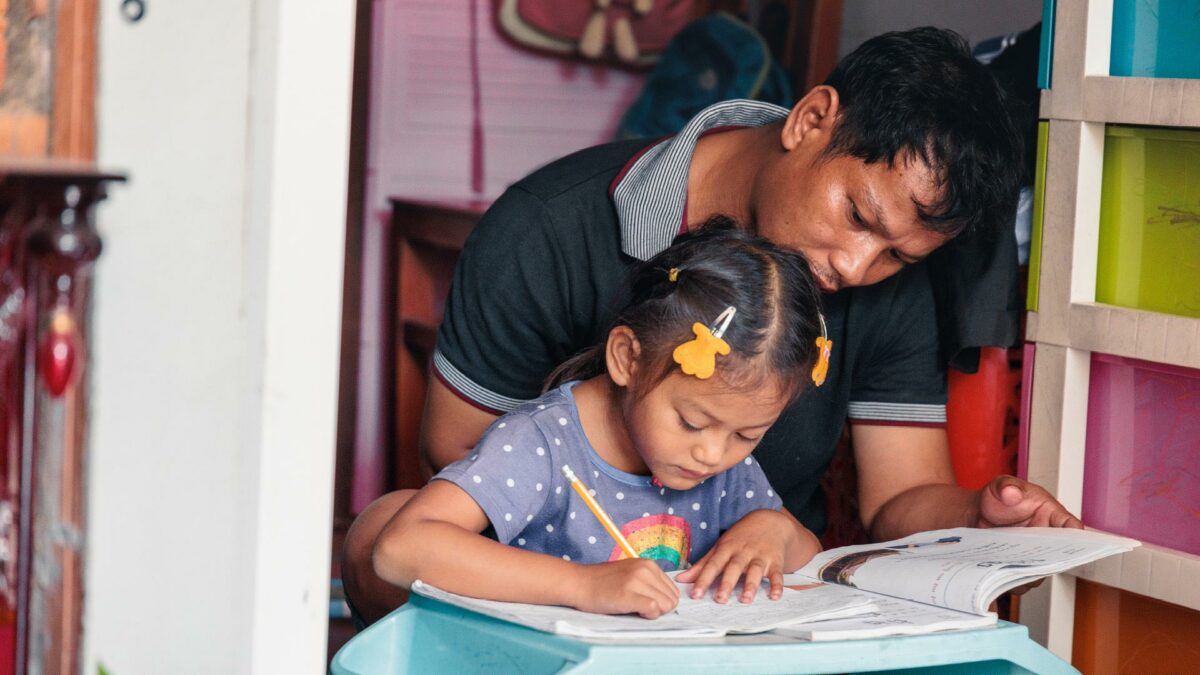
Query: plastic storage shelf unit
x=1149 y=254
x=1155 y=38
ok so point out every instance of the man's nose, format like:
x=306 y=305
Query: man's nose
x=855 y=262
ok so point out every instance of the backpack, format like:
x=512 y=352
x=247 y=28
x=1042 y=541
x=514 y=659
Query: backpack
x=713 y=59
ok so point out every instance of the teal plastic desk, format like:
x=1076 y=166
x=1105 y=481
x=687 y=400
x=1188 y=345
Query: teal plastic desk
x=427 y=636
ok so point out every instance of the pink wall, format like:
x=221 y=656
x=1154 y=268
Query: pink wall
x=534 y=108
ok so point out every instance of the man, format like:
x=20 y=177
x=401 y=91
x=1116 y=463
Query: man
x=906 y=146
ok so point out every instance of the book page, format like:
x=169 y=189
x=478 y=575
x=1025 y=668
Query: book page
x=809 y=603
x=701 y=618
x=893 y=617
x=962 y=568
x=568 y=621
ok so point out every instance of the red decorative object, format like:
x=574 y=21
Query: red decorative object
x=56 y=354
x=48 y=244
x=630 y=32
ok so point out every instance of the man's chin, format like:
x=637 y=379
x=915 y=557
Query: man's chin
x=825 y=281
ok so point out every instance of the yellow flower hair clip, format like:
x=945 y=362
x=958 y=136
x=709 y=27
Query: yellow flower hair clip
x=821 y=369
x=699 y=356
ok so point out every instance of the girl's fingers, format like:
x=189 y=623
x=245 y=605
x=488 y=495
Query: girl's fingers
x=729 y=578
x=649 y=607
x=753 y=579
x=776 y=579
x=689 y=575
x=713 y=564
x=652 y=600
x=667 y=586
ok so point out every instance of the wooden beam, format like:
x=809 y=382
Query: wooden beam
x=73 y=119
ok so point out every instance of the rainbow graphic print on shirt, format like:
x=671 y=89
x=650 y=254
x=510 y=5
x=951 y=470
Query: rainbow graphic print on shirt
x=663 y=538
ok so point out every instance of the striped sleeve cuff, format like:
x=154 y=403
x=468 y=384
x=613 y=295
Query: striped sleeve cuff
x=468 y=390
x=908 y=414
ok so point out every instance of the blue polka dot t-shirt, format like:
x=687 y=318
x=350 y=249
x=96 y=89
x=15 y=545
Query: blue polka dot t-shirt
x=515 y=475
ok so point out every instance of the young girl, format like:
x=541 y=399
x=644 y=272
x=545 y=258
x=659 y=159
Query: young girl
x=720 y=332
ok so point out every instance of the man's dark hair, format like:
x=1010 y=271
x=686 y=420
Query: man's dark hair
x=920 y=93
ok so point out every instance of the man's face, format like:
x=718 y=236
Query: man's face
x=856 y=223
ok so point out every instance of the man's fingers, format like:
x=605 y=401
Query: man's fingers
x=1021 y=590
x=1008 y=491
x=1009 y=502
x=1011 y=495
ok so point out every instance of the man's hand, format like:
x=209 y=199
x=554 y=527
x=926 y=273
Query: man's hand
x=626 y=586
x=898 y=498
x=1010 y=501
x=756 y=546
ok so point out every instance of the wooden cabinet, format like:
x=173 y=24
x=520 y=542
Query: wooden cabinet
x=428 y=239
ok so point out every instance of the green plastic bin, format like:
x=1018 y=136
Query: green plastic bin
x=1149 y=253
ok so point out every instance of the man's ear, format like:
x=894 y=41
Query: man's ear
x=816 y=113
x=621 y=355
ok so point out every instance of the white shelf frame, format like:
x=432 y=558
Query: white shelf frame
x=1153 y=571
x=1069 y=325
x=1149 y=101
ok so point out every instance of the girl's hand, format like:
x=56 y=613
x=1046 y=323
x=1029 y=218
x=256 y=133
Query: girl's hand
x=625 y=587
x=757 y=546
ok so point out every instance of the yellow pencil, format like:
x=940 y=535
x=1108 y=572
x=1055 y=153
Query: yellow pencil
x=598 y=512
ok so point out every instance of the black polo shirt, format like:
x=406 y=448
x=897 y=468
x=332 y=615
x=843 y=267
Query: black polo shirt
x=542 y=273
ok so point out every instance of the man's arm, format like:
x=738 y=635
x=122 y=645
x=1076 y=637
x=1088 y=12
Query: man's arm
x=906 y=485
x=449 y=429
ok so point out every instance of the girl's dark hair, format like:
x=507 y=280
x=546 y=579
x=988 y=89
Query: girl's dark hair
x=772 y=335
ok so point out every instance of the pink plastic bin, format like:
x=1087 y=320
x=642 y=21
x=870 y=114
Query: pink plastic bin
x=1142 y=468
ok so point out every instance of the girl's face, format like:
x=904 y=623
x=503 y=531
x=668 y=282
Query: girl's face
x=686 y=429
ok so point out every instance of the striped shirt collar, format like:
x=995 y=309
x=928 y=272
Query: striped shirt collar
x=650 y=197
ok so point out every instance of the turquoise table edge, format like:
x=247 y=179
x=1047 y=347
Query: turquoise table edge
x=430 y=636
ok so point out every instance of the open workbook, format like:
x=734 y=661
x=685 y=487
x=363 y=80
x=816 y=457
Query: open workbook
x=930 y=581
x=700 y=618
x=944 y=579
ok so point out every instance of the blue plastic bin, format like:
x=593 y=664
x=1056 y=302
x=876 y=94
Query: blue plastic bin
x=427 y=636
x=1046 y=53
x=1156 y=38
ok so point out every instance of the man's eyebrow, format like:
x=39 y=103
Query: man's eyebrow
x=881 y=224
x=877 y=212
